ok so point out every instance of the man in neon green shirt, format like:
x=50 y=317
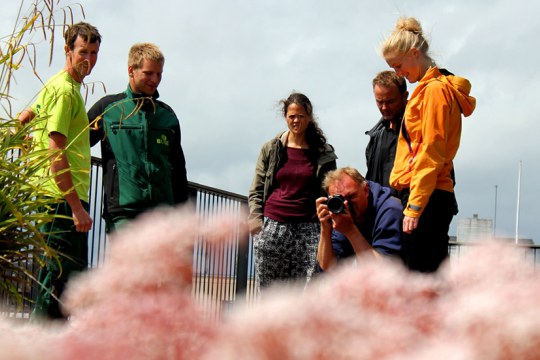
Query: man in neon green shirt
x=62 y=128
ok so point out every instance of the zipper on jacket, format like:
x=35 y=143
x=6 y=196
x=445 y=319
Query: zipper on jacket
x=145 y=124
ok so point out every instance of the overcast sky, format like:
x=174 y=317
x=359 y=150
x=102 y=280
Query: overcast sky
x=228 y=63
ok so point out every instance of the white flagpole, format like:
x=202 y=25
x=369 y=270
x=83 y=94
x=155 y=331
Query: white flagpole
x=495 y=216
x=518 y=197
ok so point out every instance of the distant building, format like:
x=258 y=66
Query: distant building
x=474 y=229
x=477 y=230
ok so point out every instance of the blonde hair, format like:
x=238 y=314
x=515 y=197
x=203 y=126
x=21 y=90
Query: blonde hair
x=407 y=34
x=144 y=51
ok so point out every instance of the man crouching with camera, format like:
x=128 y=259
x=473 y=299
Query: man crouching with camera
x=359 y=217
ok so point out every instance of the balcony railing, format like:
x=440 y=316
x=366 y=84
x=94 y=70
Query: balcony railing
x=221 y=274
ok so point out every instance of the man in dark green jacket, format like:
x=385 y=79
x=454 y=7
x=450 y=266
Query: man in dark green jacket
x=143 y=161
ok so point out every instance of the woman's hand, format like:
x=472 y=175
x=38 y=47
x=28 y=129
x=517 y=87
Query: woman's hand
x=409 y=224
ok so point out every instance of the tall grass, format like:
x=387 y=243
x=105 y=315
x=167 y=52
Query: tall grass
x=23 y=203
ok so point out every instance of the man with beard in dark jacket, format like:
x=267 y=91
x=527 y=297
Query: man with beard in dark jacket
x=391 y=95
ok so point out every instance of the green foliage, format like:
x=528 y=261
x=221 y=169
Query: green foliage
x=23 y=203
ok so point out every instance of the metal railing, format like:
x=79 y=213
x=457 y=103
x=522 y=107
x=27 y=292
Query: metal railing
x=222 y=274
x=530 y=252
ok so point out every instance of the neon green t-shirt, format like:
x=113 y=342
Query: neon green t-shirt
x=59 y=107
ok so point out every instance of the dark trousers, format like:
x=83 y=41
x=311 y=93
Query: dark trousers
x=113 y=222
x=72 y=247
x=427 y=246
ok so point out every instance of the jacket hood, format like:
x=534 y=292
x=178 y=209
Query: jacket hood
x=378 y=193
x=461 y=88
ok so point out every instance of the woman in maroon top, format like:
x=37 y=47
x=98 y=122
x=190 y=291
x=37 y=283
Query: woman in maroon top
x=282 y=197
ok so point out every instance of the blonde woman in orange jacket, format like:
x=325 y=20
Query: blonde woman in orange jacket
x=428 y=142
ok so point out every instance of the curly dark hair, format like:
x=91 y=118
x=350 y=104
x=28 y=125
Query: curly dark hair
x=314 y=135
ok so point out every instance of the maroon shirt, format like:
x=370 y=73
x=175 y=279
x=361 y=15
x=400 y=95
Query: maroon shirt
x=293 y=200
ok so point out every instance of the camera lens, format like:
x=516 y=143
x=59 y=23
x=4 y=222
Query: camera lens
x=336 y=204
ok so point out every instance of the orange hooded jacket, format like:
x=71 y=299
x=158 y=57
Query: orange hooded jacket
x=433 y=122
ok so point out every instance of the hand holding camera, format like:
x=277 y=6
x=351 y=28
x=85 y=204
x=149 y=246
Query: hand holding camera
x=336 y=204
x=329 y=206
x=335 y=211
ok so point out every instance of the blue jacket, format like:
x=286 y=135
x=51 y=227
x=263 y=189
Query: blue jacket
x=382 y=227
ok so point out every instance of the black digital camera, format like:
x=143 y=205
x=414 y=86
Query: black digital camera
x=336 y=204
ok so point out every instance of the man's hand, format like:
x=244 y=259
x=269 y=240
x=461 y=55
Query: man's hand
x=342 y=222
x=62 y=176
x=409 y=224
x=324 y=215
x=82 y=220
x=322 y=209
x=325 y=254
x=26 y=116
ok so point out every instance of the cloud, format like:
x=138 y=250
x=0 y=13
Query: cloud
x=229 y=63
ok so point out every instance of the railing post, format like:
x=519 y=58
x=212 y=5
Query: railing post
x=242 y=264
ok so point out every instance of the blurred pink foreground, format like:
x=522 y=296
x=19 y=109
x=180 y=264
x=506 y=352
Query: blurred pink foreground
x=139 y=306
